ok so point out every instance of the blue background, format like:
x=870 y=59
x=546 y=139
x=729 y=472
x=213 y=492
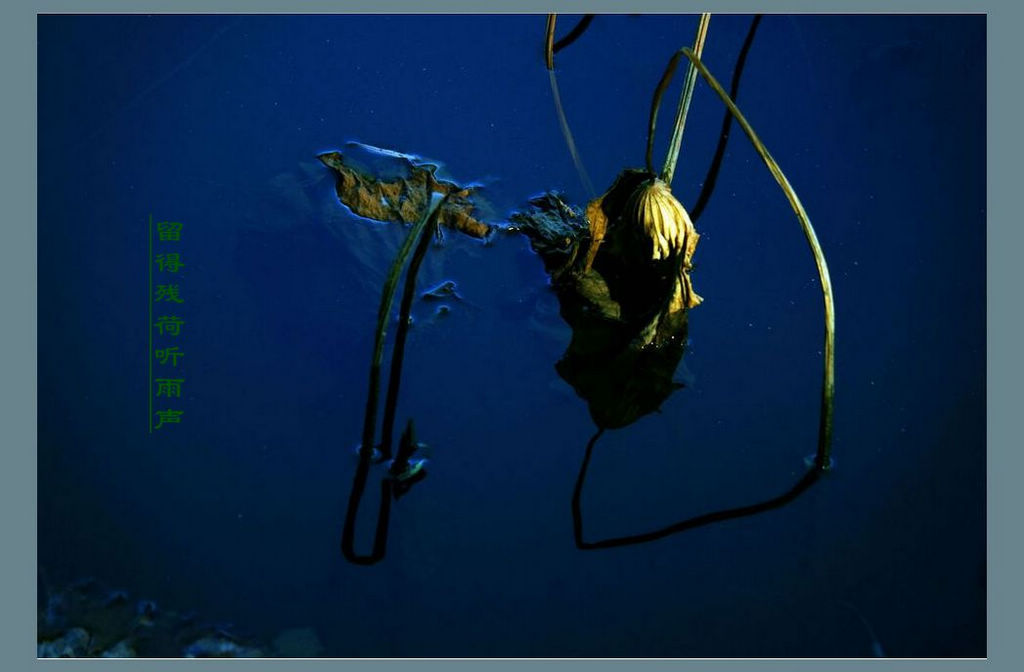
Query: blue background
x=215 y=121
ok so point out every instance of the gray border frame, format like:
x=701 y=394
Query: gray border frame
x=18 y=404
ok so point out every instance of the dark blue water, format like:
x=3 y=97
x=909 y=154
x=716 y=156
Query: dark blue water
x=236 y=512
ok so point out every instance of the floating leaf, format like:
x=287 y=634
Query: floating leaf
x=389 y=186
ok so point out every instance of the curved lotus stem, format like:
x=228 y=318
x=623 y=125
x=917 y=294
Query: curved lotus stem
x=806 y=481
x=387 y=299
x=574 y=34
x=422 y=230
x=404 y=309
x=823 y=458
x=551 y=47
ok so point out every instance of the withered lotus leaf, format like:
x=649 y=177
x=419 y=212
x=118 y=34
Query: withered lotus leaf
x=393 y=187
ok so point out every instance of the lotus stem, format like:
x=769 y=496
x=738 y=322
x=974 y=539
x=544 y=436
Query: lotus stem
x=370 y=419
x=823 y=457
x=549 y=43
x=398 y=352
x=668 y=172
x=383 y=315
x=684 y=102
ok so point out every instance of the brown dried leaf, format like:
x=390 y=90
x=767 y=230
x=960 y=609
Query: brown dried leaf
x=598 y=227
x=403 y=198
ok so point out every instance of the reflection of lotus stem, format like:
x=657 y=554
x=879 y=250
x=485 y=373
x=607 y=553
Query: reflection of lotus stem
x=398 y=352
x=684 y=103
x=823 y=459
x=422 y=229
x=383 y=315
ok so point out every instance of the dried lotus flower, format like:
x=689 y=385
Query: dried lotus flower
x=672 y=234
x=663 y=217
